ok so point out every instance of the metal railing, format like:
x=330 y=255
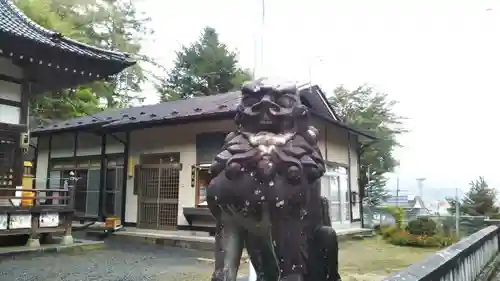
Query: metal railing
x=36 y=211
x=61 y=196
x=465 y=260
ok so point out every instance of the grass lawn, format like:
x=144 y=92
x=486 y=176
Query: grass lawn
x=373 y=259
x=365 y=260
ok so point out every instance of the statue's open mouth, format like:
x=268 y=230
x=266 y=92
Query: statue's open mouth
x=266 y=120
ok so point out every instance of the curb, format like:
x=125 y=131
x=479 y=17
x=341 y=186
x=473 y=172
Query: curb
x=78 y=246
x=193 y=243
x=168 y=241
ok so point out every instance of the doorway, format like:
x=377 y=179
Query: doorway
x=335 y=187
x=157 y=183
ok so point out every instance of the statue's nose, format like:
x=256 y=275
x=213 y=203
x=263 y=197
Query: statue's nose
x=264 y=105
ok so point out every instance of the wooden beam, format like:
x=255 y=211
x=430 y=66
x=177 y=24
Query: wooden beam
x=11 y=103
x=126 y=155
x=10 y=79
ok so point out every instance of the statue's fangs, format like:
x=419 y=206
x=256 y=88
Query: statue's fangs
x=265 y=191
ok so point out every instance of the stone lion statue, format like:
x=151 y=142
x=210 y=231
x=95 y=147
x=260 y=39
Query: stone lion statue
x=265 y=191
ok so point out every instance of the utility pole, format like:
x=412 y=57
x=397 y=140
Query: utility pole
x=397 y=191
x=457 y=213
x=258 y=70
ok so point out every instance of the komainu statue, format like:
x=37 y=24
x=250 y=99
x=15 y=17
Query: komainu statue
x=265 y=191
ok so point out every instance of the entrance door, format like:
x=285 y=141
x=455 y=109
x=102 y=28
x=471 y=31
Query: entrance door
x=158 y=195
x=335 y=187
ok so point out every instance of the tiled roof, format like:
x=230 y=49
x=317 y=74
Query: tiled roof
x=190 y=108
x=179 y=111
x=15 y=23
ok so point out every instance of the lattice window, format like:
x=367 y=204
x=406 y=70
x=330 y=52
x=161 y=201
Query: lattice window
x=158 y=190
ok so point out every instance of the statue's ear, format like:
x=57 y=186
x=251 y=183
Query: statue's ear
x=300 y=111
x=301 y=116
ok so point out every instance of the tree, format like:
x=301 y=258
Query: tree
x=202 y=68
x=480 y=200
x=110 y=24
x=373 y=112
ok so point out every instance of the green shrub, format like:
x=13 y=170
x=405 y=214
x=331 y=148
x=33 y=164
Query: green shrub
x=388 y=231
x=422 y=226
x=398 y=214
x=495 y=216
x=448 y=225
x=403 y=238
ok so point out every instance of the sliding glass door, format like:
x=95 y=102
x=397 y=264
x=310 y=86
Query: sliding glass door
x=334 y=186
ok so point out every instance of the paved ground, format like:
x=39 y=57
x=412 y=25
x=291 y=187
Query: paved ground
x=368 y=260
x=117 y=262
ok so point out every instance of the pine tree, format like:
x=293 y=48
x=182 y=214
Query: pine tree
x=203 y=68
x=480 y=200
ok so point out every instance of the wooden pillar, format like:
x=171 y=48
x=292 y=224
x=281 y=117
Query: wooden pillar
x=67 y=239
x=34 y=239
x=102 y=179
x=18 y=168
x=126 y=155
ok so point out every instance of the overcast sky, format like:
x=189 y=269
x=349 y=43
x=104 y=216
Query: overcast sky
x=440 y=59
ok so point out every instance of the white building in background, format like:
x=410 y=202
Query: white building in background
x=149 y=165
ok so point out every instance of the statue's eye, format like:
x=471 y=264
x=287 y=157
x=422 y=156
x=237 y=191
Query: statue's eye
x=249 y=100
x=285 y=101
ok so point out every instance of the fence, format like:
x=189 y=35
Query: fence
x=38 y=210
x=466 y=260
x=447 y=223
x=55 y=195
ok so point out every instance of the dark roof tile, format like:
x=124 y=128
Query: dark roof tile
x=167 y=110
x=214 y=105
x=15 y=23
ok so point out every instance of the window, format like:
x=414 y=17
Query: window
x=202 y=179
x=10 y=114
x=87 y=188
x=335 y=187
x=114 y=186
x=208 y=145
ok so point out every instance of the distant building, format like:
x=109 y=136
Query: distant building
x=413 y=205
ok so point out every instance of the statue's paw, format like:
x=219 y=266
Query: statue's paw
x=265 y=170
x=233 y=171
x=294 y=175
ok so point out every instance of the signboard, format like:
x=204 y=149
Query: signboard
x=49 y=220
x=20 y=221
x=4 y=218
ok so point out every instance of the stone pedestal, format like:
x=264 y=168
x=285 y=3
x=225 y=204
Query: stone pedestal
x=67 y=240
x=33 y=242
